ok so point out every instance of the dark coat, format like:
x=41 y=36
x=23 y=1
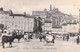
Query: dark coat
x=6 y=39
x=40 y=36
x=78 y=39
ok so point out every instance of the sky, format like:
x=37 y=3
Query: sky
x=21 y=6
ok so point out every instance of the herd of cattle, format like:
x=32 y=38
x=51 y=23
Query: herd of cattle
x=26 y=36
x=48 y=38
x=10 y=38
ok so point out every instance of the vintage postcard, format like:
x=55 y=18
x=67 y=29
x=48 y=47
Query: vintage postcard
x=39 y=25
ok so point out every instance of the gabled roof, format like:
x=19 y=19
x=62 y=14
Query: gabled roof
x=48 y=21
x=68 y=23
x=64 y=24
x=25 y=16
x=72 y=23
x=4 y=12
x=56 y=26
x=38 y=11
x=16 y=14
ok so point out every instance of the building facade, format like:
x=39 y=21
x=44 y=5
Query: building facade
x=71 y=28
x=48 y=26
x=20 y=22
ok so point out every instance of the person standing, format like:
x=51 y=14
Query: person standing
x=67 y=37
x=14 y=33
x=53 y=39
x=78 y=40
x=40 y=37
x=26 y=36
x=63 y=36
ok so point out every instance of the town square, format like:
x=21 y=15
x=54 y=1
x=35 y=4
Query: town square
x=38 y=26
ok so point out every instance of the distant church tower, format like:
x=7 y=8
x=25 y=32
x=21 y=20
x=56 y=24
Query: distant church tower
x=54 y=6
x=50 y=7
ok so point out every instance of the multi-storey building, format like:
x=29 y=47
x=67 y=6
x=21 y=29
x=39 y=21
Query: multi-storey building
x=48 y=25
x=56 y=16
x=20 y=22
x=37 y=14
x=72 y=28
x=4 y=16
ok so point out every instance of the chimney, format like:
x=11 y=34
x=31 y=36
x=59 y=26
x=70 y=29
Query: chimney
x=1 y=9
x=11 y=12
x=24 y=13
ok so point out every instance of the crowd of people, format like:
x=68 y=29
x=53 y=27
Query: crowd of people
x=67 y=37
x=47 y=37
x=27 y=36
x=42 y=36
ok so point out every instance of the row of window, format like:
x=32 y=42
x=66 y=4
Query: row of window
x=16 y=21
x=12 y=23
x=17 y=18
x=16 y=26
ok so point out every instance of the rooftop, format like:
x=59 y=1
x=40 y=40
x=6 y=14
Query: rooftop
x=57 y=27
x=4 y=12
x=23 y=15
x=16 y=14
x=48 y=21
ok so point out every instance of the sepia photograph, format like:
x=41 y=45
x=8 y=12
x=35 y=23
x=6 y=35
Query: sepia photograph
x=39 y=25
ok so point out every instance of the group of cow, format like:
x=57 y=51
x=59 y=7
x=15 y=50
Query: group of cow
x=26 y=36
x=11 y=38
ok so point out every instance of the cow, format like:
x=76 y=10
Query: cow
x=19 y=37
x=6 y=39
